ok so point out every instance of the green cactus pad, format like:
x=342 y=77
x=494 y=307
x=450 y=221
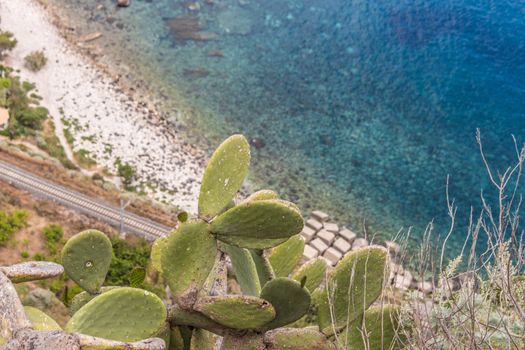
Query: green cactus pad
x=188 y=258
x=290 y=300
x=314 y=271
x=224 y=175
x=123 y=314
x=297 y=339
x=261 y=196
x=258 y=224
x=176 y=340
x=247 y=341
x=165 y=334
x=264 y=268
x=40 y=321
x=381 y=324
x=285 y=257
x=156 y=252
x=203 y=340
x=86 y=258
x=83 y=298
x=237 y=311
x=353 y=285
x=244 y=269
x=136 y=277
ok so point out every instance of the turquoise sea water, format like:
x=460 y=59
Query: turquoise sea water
x=361 y=108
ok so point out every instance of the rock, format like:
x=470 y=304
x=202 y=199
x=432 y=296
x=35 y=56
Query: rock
x=308 y=233
x=425 y=287
x=319 y=245
x=319 y=215
x=348 y=235
x=332 y=255
x=235 y=21
x=327 y=236
x=41 y=299
x=342 y=245
x=123 y=3
x=392 y=247
x=330 y=226
x=316 y=225
x=359 y=243
x=310 y=253
x=199 y=72
x=326 y=140
x=257 y=142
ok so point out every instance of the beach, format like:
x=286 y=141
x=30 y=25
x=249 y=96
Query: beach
x=107 y=123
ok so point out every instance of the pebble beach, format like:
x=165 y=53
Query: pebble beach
x=107 y=122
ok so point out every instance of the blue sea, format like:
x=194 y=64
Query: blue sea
x=359 y=108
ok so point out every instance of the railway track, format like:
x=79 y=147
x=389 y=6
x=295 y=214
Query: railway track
x=131 y=223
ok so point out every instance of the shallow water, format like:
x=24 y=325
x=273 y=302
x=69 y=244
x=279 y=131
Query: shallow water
x=360 y=108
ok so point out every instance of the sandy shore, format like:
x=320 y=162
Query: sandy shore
x=108 y=124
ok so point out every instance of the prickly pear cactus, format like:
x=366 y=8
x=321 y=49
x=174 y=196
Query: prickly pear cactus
x=40 y=321
x=290 y=300
x=258 y=224
x=380 y=323
x=86 y=258
x=188 y=258
x=123 y=314
x=224 y=175
x=352 y=286
x=314 y=271
x=259 y=238
x=285 y=257
x=237 y=311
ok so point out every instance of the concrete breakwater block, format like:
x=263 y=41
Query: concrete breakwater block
x=327 y=236
x=314 y=224
x=320 y=216
x=319 y=245
x=308 y=233
x=348 y=235
x=332 y=255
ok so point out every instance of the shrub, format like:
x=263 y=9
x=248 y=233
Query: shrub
x=7 y=43
x=53 y=233
x=11 y=223
x=35 y=61
x=126 y=257
x=126 y=172
x=24 y=254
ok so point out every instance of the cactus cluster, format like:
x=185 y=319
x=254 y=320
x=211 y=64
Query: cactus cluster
x=260 y=238
x=256 y=241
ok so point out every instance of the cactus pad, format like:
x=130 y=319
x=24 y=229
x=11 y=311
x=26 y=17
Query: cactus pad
x=237 y=311
x=290 y=300
x=286 y=256
x=203 y=340
x=353 y=285
x=188 y=258
x=258 y=224
x=297 y=339
x=224 y=175
x=83 y=298
x=86 y=258
x=123 y=314
x=261 y=195
x=156 y=252
x=40 y=321
x=314 y=271
x=244 y=269
x=263 y=266
x=380 y=326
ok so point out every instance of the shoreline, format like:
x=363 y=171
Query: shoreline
x=108 y=122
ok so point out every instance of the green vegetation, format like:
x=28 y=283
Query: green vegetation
x=35 y=61
x=127 y=172
x=53 y=234
x=26 y=116
x=7 y=43
x=284 y=305
x=84 y=158
x=51 y=144
x=11 y=224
